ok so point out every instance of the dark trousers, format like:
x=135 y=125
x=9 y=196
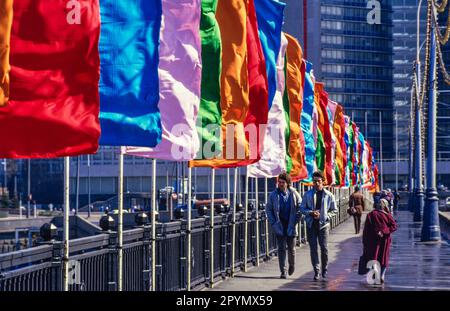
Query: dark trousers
x=357 y=220
x=283 y=243
x=318 y=237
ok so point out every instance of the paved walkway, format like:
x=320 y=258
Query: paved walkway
x=413 y=266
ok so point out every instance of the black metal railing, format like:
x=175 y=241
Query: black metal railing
x=40 y=268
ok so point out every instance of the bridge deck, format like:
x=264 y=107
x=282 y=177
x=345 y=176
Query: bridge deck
x=413 y=266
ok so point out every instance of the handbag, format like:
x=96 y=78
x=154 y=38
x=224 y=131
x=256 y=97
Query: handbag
x=362 y=268
x=351 y=211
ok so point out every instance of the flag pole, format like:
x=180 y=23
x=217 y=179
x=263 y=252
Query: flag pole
x=120 y=223
x=228 y=185
x=189 y=228
x=246 y=222
x=233 y=239
x=266 y=190
x=66 y=224
x=153 y=224
x=257 y=221
x=213 y=175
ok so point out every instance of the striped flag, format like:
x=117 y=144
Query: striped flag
x=129 y=86
x=270 y=21
x=273 y=158
x=307 y=121
x=179 y=93
x=341 y=152
x=295 y=78
x=53 y=102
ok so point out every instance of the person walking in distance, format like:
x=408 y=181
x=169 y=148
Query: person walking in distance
x=356 y=205
x=318 y=205
x=283 y=213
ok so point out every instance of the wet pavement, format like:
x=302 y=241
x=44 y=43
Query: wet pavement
x=413 y=265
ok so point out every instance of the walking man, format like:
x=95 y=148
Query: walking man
x=357 y=203
x=318 y=205
x=283 y=213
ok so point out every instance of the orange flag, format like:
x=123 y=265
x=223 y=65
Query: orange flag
x=6 y=14
x=295 y=80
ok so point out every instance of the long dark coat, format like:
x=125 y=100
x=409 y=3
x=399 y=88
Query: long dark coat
x=376 y=247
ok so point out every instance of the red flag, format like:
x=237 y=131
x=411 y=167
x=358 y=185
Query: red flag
x=54 y=103
x=324 y=125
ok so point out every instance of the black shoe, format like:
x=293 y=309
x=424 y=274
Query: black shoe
x=283 y=275
x=316 y=276
x=324 y=274
x=291 y=270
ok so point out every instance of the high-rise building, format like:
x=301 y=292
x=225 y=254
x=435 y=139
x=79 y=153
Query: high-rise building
x=354 y=58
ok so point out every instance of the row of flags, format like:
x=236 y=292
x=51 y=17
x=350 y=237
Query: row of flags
x=213 y=82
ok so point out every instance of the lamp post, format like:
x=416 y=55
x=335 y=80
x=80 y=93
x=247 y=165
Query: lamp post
x=418 y=197
x=430 y=227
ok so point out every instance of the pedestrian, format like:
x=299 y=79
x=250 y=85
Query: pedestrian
x=356 y=204
x=318 y=205
x=283 y=213
x=378 y=227
x=396 y=199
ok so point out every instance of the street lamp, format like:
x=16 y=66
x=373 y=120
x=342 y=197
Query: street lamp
x=418 y=202
x=430 y=226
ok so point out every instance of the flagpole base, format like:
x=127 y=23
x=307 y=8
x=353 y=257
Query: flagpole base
x=430 y=229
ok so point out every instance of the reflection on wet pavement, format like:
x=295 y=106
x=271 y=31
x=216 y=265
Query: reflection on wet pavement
x=413 y=265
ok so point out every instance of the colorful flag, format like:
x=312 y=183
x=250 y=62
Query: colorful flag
x=179 y=53
x=209 y=120
x=324 y=154
x=273 y=158
x=6 y=16
x=234 y=90
x=129 y=86
x=295 y=78
x=349 y=139
x=53 y=100
x=331 y=109
x=341 y=152
x=270 y=21
x=307 y=122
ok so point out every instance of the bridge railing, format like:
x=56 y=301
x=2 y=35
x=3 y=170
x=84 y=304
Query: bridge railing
x=40 y=268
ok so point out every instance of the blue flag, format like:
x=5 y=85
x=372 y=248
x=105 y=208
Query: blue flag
x=129 y=86
x=269 y=14
x=307 y=121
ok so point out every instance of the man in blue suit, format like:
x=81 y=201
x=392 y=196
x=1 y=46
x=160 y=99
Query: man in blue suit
x=283 y=213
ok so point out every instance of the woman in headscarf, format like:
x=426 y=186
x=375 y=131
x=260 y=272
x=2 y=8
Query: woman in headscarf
x=377 y=232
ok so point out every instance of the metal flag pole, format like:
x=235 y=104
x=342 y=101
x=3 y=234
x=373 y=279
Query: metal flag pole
x=246 y=222
x=266 y=190
x=233 y=232
x=189 y=228
x=89 y=184
x=153 y=224
x=396 y=151
x=120 y=224
x=228 y=185
x=66 y=224
x=29 y=189
x=430 y=228
x=213 y=177
x=77 y=194
x=381 y=154
x=257 y=220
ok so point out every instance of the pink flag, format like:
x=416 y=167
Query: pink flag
x=179 y=74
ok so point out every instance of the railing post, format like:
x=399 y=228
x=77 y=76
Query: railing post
x=183 y=255
x=147 y=258
x=113 y=261
x=207 y=236
x=160 y=232
x=57 y=265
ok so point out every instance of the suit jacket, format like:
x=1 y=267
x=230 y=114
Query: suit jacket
x=327 y=210
x=273 y=212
